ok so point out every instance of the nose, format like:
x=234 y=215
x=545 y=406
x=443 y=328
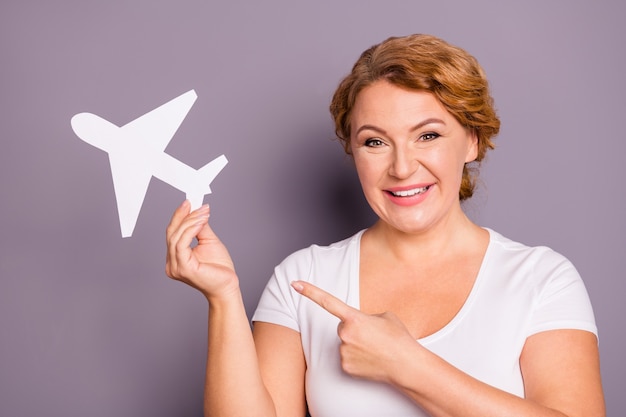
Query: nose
x=404 y=163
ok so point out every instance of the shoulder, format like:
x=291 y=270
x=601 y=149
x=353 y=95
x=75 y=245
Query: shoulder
x=315 y=255
x=539 y=278
x=324 y=266
x=538 y=260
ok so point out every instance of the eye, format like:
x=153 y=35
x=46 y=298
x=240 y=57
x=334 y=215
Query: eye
x=374 y=143
x=426 y=137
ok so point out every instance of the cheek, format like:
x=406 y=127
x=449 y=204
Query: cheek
x=363 y=170
x=370 y=171
x=446 y=163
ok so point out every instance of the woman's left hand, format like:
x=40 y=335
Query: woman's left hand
x=372 y=347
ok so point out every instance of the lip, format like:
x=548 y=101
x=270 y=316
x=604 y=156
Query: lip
x=408 y=200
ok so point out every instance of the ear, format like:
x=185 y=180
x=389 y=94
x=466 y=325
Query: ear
x=472 y=146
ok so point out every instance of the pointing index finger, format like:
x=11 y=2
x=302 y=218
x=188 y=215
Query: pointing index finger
x=327 y=301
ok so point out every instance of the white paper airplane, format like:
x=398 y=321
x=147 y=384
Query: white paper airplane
x=137 y=153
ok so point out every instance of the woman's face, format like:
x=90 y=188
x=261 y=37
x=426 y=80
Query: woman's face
x=409 y=153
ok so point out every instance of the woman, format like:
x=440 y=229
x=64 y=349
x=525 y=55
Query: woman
x=422 y=314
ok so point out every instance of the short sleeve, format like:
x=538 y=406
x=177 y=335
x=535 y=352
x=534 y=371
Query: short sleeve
x=279 y=302
x=563 y=301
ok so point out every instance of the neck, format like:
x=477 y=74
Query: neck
x=450 y=236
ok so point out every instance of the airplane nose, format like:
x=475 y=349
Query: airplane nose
x=93 y=129
x=82 y=125
x=76 y=123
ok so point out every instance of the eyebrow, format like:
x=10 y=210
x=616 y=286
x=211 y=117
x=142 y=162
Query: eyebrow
x=432 y=120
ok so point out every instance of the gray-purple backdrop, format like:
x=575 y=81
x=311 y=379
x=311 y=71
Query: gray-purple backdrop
x=90 y=325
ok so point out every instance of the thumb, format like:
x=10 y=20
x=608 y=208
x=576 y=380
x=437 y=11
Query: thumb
x=206 y=233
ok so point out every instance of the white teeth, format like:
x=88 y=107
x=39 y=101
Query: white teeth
x=409 y=193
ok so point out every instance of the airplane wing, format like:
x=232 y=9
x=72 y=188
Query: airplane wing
x=131 y=164
x=131 y=179
x=156 y=128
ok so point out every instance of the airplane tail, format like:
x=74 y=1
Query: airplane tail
x=204 y=177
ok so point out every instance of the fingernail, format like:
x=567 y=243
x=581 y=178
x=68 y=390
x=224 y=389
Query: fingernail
x=297 y=286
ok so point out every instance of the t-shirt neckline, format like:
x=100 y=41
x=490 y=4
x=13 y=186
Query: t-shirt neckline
x=458 y=317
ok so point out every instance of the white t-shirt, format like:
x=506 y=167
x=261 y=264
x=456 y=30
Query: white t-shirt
x=519 y=291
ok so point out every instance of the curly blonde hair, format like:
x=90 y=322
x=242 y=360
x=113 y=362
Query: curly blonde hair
x=425 y=63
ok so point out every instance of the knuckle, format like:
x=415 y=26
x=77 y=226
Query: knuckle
x=324 y=302
x=344 y=358
x=170 y=230
x=179 y=247
x=345 y=333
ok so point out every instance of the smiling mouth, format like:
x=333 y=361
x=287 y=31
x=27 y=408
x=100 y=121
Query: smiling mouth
x=409 y=193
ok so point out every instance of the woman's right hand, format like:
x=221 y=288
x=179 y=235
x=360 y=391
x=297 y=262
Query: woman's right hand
x=208 y=266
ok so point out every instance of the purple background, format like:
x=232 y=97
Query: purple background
x=89 y=323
